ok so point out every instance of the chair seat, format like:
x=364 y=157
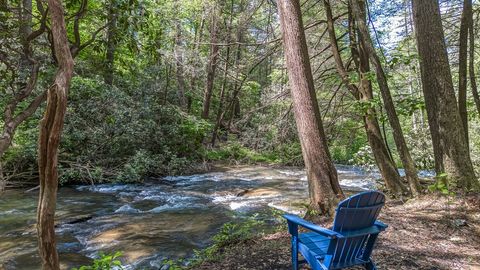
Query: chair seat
x=315 y=243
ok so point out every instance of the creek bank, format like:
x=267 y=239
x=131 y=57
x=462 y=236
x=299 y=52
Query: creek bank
x=431 y=232
x=158 y=219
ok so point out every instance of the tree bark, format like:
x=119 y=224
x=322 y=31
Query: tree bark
x=212 y=66
x=324 y=189
x=404 y=153
x=111 y=43
x=471 y=61
x=50 y=129
x=462 y=66
x=443 y=115
x=363 y=93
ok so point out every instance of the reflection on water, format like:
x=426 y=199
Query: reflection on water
x=153 y=221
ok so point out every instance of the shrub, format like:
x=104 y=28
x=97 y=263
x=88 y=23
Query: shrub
x=105 y=262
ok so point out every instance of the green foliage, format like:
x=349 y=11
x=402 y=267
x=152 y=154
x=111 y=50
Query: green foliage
x=421 y=149
x=441 y=185
x=290 y=153
x=229 y=234
x=233 y=150
x=105 y=262
x=364 y=157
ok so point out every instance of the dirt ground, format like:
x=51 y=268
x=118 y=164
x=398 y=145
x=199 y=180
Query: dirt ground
x=427 y=233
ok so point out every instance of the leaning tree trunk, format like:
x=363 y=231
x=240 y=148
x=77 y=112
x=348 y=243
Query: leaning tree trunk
x=50 y=129
x=443 y=115
x=364 y=93
x=324 y=189
x=462 y=66
x=404 y=153
x=212 y=66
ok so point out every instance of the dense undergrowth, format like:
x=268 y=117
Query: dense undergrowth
x=115 y=134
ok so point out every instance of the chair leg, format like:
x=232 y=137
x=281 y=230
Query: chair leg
x=370 y=266
x=294 y=253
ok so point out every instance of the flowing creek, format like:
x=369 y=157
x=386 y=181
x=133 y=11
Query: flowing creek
x=156 y=220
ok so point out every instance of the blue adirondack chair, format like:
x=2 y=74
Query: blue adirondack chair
x=350 y=241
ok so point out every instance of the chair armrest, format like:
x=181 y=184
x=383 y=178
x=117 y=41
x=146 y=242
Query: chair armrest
x=296 y=220
x=376 y=228
x=382 y=226
x=369 y=230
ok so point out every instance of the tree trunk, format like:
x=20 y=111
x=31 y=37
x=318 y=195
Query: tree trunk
x=471 y=61
x=364 y=93
x=324 y=189
x=404 y=153
x=462 y=66
x=50 y=129
x=25 y=30
x=195 y=63
x=220 y=111
x=179 y=65
x=111 y=43
x=212 y=66
x=443 y=115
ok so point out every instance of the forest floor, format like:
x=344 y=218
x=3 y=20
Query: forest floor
x=432 y=232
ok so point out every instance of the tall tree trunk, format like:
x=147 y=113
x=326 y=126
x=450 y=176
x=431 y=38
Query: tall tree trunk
x=471 y=61
x=443 y=115
x=50 y=129
x=364 y=93
x=462 y=66
x=111 y=43
x=25 y=30
x=324 y=189
x=404 y=153
x=195 y=62
x=179 y=65
x=212 y=66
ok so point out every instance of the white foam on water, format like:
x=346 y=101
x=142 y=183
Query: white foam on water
x=239 y=205
x=286 y=209
x=12 y=212
x=357 y=183
x=127 y=209
x=111 y=188
x=162 y=208
x=222 y=199
x=291 y=173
